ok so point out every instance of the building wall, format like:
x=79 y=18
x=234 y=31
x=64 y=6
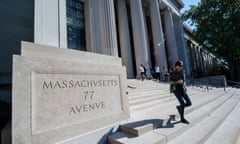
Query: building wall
x=201 y=60
x=16 y=25
x=140 y=34
x=155 y=34
x=148 y=32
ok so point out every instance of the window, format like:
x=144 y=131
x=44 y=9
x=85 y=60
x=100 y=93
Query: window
x=75 y=25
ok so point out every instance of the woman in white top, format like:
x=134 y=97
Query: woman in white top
x=142 y=71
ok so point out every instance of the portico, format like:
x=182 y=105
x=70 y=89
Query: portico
x=148 y=32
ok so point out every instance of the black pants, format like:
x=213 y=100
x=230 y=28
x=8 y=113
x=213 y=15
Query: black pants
x=183 y=99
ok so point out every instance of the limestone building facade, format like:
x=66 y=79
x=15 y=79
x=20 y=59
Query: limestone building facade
x=148 y=32
x=201 y=60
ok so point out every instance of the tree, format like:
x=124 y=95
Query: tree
x=217 y=25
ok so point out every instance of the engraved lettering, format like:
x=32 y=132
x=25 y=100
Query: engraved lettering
x=97 y=105
x=78 y=84
x=78 y=108
x=87 y=107
x=71 y=84
x=64 y=82
x=47 y=85
x=115 y=83
x=86 y=94
x=91 y=107
x=72 y=110
x=83 y=83
x=103 y=105
x=57 y=85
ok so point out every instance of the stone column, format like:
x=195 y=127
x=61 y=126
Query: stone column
x=158 y=36
x=202 y=58
x=199 y=58
x=139 y=35
x=170 y=38
x=62 y=24
x=108 y=27
x=193 y=54
x=46 y=22
x=192 y=65
x=124 y=36
x=93 y=33
x=181 y=44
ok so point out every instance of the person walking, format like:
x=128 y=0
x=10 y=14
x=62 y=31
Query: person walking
x=177 y=86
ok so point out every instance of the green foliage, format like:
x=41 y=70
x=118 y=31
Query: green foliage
x=218 y=29
x=217 y=70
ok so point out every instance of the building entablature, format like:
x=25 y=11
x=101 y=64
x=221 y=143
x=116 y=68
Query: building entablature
x=173 y=6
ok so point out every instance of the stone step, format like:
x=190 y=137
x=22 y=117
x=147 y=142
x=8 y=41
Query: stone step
x=164 y=133
x=143 y=97
x=171 y=100
x=123 y=138
x=144 y=100
x=219 y=95
x=148 y=90
x=166 y=106
x=139 y=86
x=134 y=81
x=194 y=117
x=200 y=132
x=229 y=131
x=137 y=128
x=154 y=96
x=195 y=107
x=150 y=104
x=158 y=92
x=137 y=97
x=150 y=83
x=144 y=93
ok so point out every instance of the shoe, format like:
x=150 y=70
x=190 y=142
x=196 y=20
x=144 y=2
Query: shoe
x=185 y=121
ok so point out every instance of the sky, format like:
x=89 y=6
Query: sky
x=187 y=3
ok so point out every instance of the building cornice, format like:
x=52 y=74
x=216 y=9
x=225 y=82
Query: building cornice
x=180 y=3
x=170 y=5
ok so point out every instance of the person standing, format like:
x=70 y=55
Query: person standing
x=143 y=72
x=157 y=72
x=177 y=87
x=164 y=73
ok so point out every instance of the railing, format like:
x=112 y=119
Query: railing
x=233 y=84
x=206 y=83
x=197 y=83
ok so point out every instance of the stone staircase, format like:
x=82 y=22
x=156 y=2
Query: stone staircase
x=214 y=116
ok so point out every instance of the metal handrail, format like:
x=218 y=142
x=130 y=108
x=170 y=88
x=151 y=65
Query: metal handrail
x=202 y=83
x=234 y=83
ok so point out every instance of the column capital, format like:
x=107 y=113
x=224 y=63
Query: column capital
x=169 y=5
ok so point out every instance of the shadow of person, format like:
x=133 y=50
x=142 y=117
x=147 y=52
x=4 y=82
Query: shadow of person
x=154 y=124
x=171 y=121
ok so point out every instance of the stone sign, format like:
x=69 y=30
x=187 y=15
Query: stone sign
x=55 y=99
